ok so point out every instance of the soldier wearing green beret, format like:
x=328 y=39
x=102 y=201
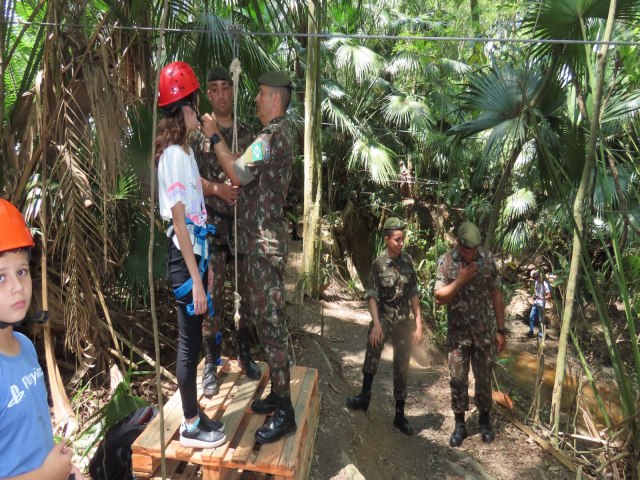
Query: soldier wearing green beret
x=220 y=198
x=263 y=172
x=467 y=282
x=392 y=294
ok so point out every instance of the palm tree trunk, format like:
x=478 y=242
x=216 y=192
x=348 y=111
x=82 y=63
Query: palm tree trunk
x=490 y=236
x=578 y=211
x=312 y=161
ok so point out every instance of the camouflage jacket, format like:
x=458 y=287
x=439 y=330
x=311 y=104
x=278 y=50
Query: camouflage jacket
x=470 y=311
x=392 y=282
x=267 y=230
x=220 y=213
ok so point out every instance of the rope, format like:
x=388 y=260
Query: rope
x=235 y=70
x=152 y=231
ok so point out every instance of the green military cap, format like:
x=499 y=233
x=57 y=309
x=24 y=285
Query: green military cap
x=219 y=73
x=275 y=79
x=393 y=223
x=469 y=235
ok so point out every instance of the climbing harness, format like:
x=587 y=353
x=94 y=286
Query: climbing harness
x=200 y=234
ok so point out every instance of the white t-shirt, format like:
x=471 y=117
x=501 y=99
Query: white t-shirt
x=541 y=289
x=179 y=181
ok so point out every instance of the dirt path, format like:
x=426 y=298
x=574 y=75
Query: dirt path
x=332 y=339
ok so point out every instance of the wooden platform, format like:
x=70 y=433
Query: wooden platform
x=289 y=458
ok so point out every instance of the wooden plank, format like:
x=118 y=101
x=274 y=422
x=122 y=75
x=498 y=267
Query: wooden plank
x=248 y=439
x=304 y=465
x=149 y=440
x=144 y=464
x=238 y=403
x=237 y=458
x=292 y=447
x=270 y=454
x=172 y=466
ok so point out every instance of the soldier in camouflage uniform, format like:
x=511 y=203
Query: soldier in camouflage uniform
x=264 y=172
x=467 y=281
x=220 y=213
x=392 y=293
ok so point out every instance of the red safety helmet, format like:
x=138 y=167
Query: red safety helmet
x=15 y=233
x=177 y=81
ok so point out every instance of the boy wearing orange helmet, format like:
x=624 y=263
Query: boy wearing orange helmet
x=182 y=203
x=26 y=436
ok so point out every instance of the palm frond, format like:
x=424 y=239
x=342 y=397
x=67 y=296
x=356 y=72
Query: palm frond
x=403 y=63
x=518 y=205
x=363 y=61
x=375 y=158
x=405 y=111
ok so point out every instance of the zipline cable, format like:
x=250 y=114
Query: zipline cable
x=346 y=36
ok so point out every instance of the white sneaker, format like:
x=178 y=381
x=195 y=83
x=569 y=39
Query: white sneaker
x=201 y=437
x=209 y=422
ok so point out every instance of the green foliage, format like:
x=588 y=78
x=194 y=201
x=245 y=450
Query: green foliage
x=121 y=404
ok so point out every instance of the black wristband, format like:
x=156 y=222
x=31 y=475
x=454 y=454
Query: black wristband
x=215 y=138
x=502 y=331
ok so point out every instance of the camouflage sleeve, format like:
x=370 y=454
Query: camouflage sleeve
x=374 y=282
x=257 y=154
x=412 y=287
x=495 y=278
x=197 y=142
x=442 y=278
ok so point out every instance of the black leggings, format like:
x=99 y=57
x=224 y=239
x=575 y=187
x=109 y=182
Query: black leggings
x=190 y=333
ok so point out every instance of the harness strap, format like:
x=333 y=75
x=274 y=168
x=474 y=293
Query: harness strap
x=200 y=234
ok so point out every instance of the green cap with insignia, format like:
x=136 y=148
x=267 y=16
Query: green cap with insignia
x=275 y=79
x=469 y=235
x=219 y=73
x=393 y=223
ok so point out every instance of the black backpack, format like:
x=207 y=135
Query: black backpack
x=112 y=460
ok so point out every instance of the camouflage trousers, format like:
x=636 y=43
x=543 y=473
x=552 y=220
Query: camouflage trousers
x=265 y=290
x=221 y=264
x=481 y=359
x=400 y=334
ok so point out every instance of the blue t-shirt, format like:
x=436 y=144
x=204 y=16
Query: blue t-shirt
x=26 y=436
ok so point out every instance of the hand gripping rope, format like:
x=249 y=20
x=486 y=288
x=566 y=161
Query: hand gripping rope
x=235 y=70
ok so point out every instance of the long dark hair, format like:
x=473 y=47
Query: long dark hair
x=172 y=129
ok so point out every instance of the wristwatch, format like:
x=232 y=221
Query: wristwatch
x=502 y=331
x=215 y=138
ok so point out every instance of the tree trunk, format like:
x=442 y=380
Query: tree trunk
x=310 y=278
x=475 y=14
x=490 y=235
x=578 y=212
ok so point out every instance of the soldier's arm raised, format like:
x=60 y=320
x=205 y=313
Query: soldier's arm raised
x=444 y=295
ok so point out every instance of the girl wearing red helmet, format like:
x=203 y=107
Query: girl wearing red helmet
x=26 y=443
x=182 y=203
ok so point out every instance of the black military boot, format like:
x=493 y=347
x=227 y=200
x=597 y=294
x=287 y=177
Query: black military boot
x=265 y=406
x=400 y=421
x=210 y=384
x=280 y=424
x=486 y=430
x=361 y=402
x=459 y=432
x=250 y=367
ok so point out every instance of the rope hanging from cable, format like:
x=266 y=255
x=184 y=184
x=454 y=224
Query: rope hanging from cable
x=235 y=70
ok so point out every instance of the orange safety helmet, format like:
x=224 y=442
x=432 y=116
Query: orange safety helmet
x=15 y=233
x=177 y=81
